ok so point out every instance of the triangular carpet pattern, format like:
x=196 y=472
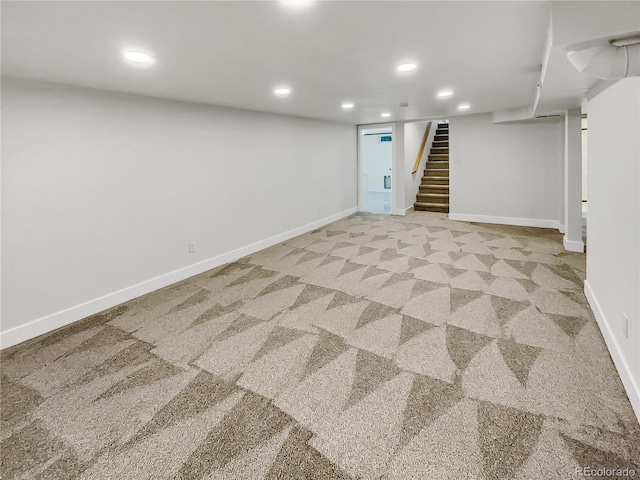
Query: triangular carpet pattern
x=377 y=347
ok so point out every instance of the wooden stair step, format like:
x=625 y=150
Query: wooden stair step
x=438 y=157
x=439 y=151
x=433 y=188
x=433 y=179
x=431 y=207
x=433 y=198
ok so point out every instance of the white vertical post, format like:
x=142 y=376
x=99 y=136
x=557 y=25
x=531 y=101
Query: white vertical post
x=573 y=181
x=397 y=170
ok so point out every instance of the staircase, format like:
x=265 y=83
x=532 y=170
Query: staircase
x=433 y=195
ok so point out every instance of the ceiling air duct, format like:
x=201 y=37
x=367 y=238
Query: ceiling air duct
x=617 y=59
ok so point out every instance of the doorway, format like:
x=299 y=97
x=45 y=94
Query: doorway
x=376 y=153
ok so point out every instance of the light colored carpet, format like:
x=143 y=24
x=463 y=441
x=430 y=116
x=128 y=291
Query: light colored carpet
x=377 y=347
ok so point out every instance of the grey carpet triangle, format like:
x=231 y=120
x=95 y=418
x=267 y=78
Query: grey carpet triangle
x=374 y=311
x=298 y=460
x=155 y=371
x=200 y=296
x=460 y=298
x=328 y=348
x=257 y=273
x=424 y=286
x=217 y=311
x=333 y=233
x=232 y=267
x=396 y=278
x=529 y=285
x=253 y=421
x=507 y=438
x=294 y=251
x=356 y=235
x=372 y=272
x=330 y=259
x=280 y=284
x=350 y=267
x=457 y=233
x=309 y=294
x=597 y=459
x=464 y=344
x=341 y=298
x=279 y=337
x=365 y=250
x=340 y=245
x=402 y=245
x=307 y=257
x=239 y=325
x=371 y=371
x=428 y=400
x=488 y=260
x=135 y=354
x=507 y=308
x=412 y=327
x=525 y=268
x=569 y=325
x=417 y=263
x=389 y=254
x=519 y=358
x=488 y=236
x=200 y=394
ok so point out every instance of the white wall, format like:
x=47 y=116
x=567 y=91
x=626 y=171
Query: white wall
x=613 y=255
x=102 y=191
x=413 y=134
x=506 y=173
x=376 y=161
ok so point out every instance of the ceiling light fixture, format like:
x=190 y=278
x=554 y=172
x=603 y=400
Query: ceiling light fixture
x=385 y=114
x=445 y=93
x=347 y=105
x=296 y=4
x=464 y=106
x=138 y=57
x=406 y=67
x=282 y=91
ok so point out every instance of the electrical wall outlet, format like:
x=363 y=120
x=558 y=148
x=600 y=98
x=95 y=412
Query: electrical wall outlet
x=192 y=247
x=625 y=325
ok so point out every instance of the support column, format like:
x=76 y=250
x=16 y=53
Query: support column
x=573 y=181
x=398 y=170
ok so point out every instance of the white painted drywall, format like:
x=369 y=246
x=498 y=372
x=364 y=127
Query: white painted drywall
x=101 y=191
x=413 y=134
x=376 y=160
x=613 y=244
x=507 y=173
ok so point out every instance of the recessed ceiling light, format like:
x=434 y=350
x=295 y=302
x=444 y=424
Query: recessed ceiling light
x=347 y=105
x=445 y=93
x=406 y=67
x=464 y=106
x=138 y=57
x=385 y=114
x=296 y=3
x=281 y=91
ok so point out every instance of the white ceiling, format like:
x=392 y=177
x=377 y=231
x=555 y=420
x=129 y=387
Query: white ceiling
x=234 y=53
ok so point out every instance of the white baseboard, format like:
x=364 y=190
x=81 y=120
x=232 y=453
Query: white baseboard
x=399 y=211
x=573 y=245
x=56 y=320
x=631 y=387
x=408 y=208
x=521 y=222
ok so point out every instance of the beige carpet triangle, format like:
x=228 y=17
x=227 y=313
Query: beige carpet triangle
x=460 y=298
x=530 y=327
x=412 y=327
x=267 y=306
x=507 y=308
x=488 y=377
x=432 y=273
x=502 y=269
x=275 y=372
x=427 y=355
x=470 y=262
x=361 y=441
x=228 y=357
x=508 y=287
x=454 y=431
x=341 y=320
x=371 y=371
x=323 y=394
x=381 y=337
x=469 y=280
x=303 y=317
x=432 y=307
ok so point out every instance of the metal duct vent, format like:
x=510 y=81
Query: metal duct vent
x=618 y=59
